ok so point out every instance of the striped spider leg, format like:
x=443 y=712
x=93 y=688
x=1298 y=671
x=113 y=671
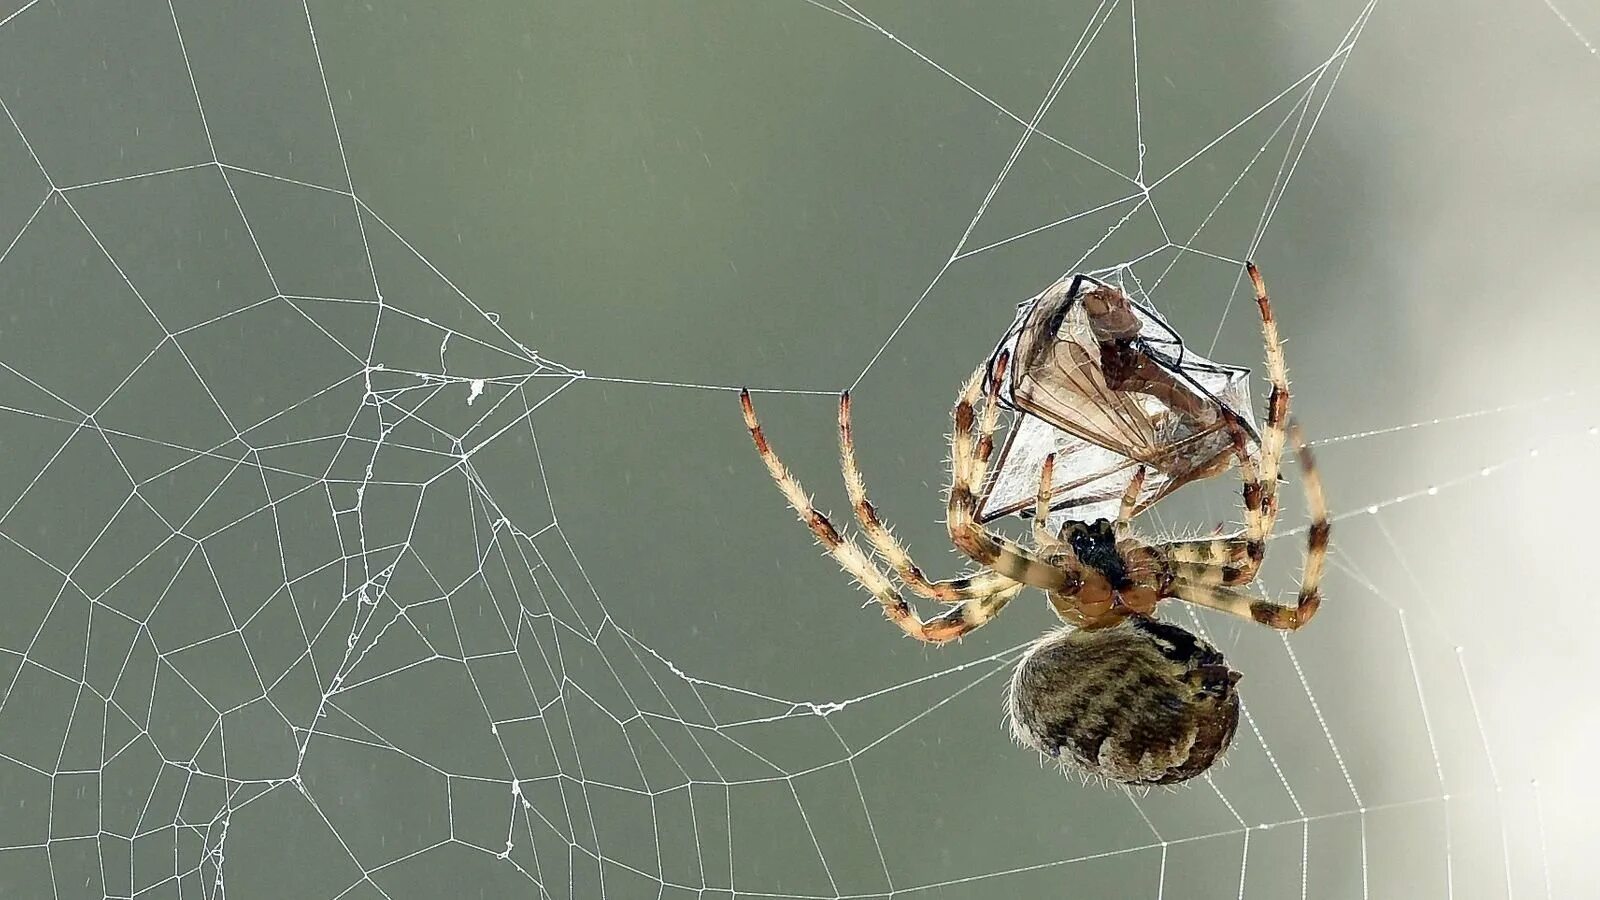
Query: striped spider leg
x=977 y=599
x=1208 y=570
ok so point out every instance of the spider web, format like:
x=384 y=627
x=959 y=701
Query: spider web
x=328 y=576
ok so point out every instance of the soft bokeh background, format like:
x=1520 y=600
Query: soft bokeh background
x=376 y=518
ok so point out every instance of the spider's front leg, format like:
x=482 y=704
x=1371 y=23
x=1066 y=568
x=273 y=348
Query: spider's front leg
x=947 y=626
x=1130 y=501
x=968 y=460
x=951 y=590
x=1042 y=538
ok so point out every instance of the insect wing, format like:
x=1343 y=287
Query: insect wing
x=1107 y=390
x=1087 y=484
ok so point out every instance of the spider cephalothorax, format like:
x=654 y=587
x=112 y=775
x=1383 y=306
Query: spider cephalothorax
x=1118 y=692
x=1095 y=546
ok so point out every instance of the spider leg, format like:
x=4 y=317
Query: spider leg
x=954 y=590
x=1230 y=549
x=1318 y=534
x=1041 y=504
x=967 y=615
x=1130 y=499
x=1238 y=603
x=1274 y=437
x=967 y=461
x=1244 y=550
x=1208 y=573
x=988 y=421
x=1278 y=432
x=1211 y=584
x=949 y=625
x=1260 y=479
x=1221 y=560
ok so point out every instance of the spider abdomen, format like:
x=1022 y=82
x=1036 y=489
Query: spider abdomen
x=1139 y=702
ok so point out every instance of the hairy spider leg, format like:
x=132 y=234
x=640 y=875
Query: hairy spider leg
x=1042 y=538
x=968 y=458
x=1212 y=585
x=1242 y=553
x=995 y=551
x=1130 y=500
x=1274 y=437
x=953 y=590
x=1319 y=532
x=947 y=626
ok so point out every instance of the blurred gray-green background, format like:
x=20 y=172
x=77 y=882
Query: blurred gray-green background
x=376 y=519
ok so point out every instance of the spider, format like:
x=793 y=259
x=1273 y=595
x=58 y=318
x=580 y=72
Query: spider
x=1113 y=690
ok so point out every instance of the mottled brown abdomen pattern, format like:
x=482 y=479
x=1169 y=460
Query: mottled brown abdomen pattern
x=1141 y=702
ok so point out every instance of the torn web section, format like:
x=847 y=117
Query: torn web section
x=1109 y=387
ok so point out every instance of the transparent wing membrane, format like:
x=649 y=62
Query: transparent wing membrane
x=1104 y=383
